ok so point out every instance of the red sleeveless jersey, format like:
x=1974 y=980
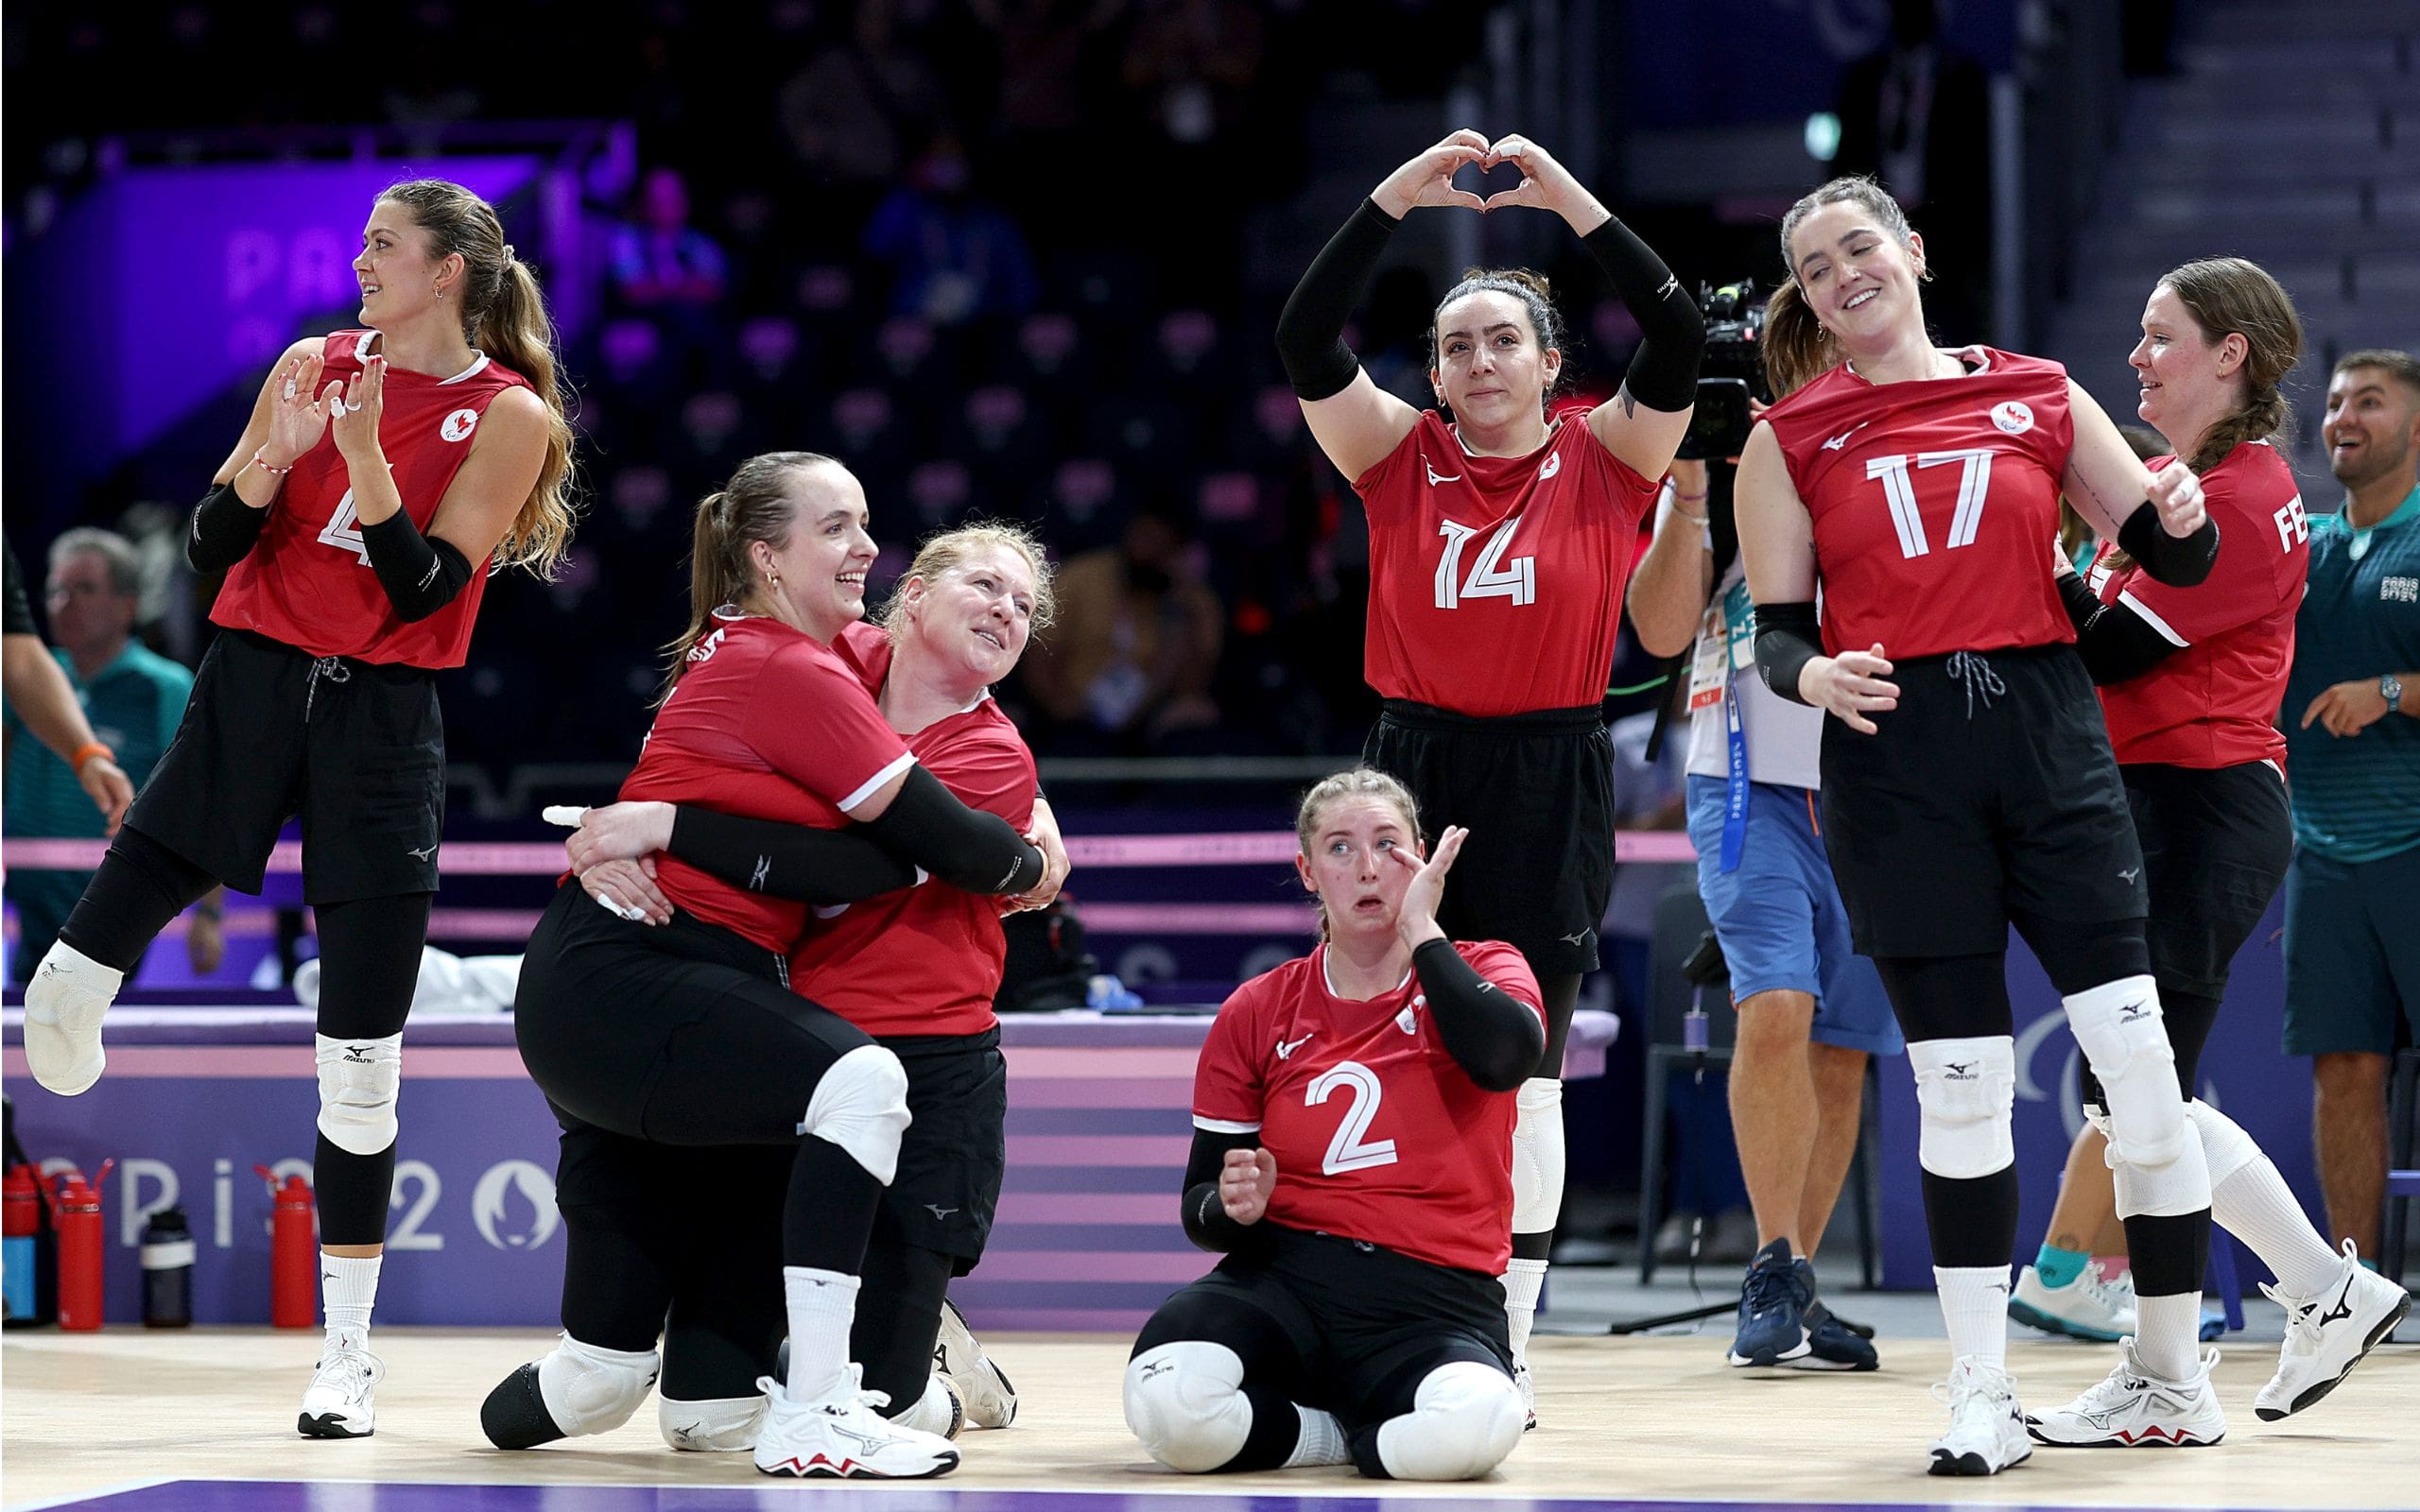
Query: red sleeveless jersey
x=1379 y=1135
x=769 y=723
x=2214 y=702
x=927 y=959
x=1935 y=502
x=308 y=581
x=1495 y=582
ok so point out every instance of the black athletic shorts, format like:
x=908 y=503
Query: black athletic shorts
x=356 y=748
x=1536 y=792
x=2216 y=844
x=681 y=1033
x=955 y=1154
x=1989 y=792
x=1358 y=1315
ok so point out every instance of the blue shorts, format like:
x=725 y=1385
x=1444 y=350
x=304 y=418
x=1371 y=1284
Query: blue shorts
x=2352 y=952
x=1779 y=918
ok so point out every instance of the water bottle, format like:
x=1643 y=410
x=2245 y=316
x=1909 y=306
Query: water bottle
x=168 y=1270
x=293 y=1254
x=22 y=1223
x=80 y=1250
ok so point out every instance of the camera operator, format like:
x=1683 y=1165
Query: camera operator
x=1810 y=1009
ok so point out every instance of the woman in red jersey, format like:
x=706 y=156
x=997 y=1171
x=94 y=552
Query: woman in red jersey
x=2191 y=683
x=1499 y=540
x=687 y=1034
x=385 y=471
x=916 y=967
x=1352 y=1158
x=1968 y=783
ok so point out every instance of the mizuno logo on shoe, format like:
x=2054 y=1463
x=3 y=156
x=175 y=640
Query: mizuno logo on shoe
x=2340 y=1310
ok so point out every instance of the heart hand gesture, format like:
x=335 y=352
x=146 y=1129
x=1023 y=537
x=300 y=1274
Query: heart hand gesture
x=1546 y=184
x=1428 y=179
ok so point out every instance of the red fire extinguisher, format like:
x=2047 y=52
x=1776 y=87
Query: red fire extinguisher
x=293 y=1253
x=80 y=1250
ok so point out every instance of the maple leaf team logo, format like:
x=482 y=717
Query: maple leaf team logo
x=460 y=424
x=2013 y=416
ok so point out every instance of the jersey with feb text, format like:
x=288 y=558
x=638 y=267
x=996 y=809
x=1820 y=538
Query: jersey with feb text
x=308 y=581
x=1495 y=582
x=769 y=723
x=2213 y=702
x=1934 y=502
x=925 y=959
x=1378 y=1134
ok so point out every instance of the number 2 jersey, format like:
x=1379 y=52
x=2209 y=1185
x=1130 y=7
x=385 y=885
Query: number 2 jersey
x=1935 y=502
x=1495 y=582
x=308 y=581
x=2213 y=702
x=1379 y=1135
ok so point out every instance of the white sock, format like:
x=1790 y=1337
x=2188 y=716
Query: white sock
x=347 y=1290
x=1521 y=1285
x=2168 y=1334
x=2257 y=1207
x=1321 y=1442
x=1974 y=1306
x=822 y=1308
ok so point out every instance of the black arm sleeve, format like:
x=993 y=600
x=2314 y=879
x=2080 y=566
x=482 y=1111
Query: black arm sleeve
x=224 y=529
x=963 y=847
x=1205 y=1217
x=1492 y=1034
x=419 y=575
x=20 y=614
x=1310 y=329
x=1788 y=637
x=1664 y=373
x=819 y=867
x=2179 y=562
x=2117 y=647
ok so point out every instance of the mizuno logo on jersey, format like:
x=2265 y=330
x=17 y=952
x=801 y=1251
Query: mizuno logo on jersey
x=1436 y=477
x=1841 y=441
x=1285 y=1048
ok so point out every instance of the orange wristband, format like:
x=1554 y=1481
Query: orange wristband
x=86 y=752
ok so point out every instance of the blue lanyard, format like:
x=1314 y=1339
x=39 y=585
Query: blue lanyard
x=1735 y=803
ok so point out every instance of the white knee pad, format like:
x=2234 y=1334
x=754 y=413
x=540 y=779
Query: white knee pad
x=938 y=1411
x=2168 y=1190
x=593 y=1390
x=360 y=1080
x=721 y=1424
x=1537 y=1156
x=1965 y=1094
x=1186 y=1402
x=2125 y=1042
x=2225 y=1147
x=1465 y=1418
x=861 y=1106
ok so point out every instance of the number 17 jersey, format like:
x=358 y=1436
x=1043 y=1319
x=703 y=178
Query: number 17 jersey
x=1379 y=1133
x=1935 y=502
x=1495 y=582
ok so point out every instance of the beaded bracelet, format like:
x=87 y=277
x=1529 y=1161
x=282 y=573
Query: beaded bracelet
x=262 y=463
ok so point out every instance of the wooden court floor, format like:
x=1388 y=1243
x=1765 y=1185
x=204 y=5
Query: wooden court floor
x=1633 y=1421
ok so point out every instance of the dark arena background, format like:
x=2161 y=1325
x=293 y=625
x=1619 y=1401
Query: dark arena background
x=1023 y=260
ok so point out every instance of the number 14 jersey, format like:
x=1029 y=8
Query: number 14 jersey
x=1935 y=502
x=1495 y=582
x=1378 y=1134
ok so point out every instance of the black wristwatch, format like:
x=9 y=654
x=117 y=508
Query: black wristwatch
x=2391 y=688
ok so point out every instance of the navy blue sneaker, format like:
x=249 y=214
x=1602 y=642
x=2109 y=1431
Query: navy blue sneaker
x=1772 y=1309
x=1831 y=1345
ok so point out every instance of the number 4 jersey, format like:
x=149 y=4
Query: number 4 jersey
x=1378 y=1134
x=1495 y=582
x=308 y=581
x=1935 y=503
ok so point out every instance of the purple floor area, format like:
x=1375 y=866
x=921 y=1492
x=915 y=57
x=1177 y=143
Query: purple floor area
x=355 y=1496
